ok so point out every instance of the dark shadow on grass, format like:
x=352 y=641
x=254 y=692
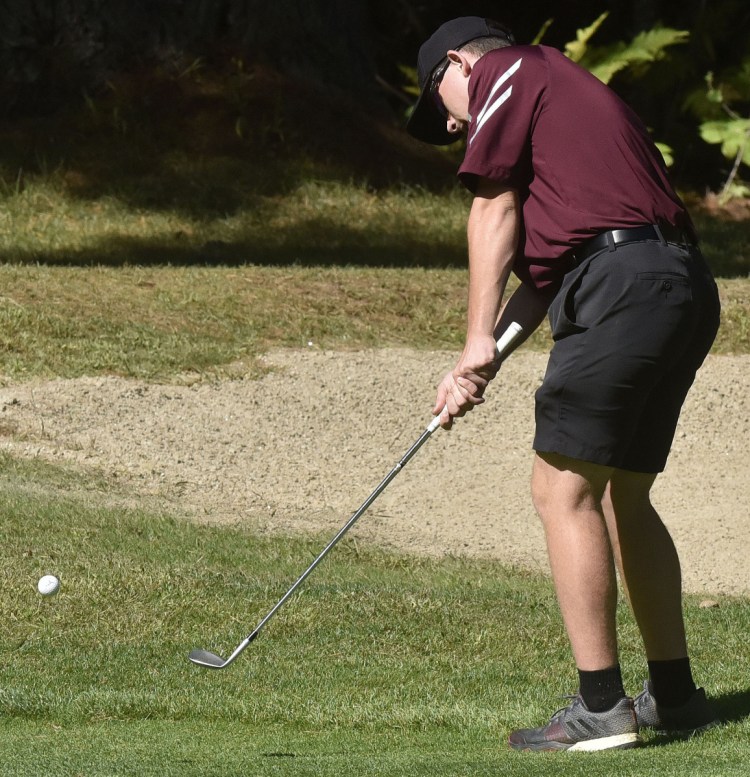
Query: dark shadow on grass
x=308 y=243
x=732 y=707
x=230 y=140
x=725 y=244
x=217 y=144
x=345 y=248
x=729 y=708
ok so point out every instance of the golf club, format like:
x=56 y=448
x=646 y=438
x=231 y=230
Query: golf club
x=210 y=660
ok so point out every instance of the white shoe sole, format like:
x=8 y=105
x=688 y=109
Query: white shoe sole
x=620 y=741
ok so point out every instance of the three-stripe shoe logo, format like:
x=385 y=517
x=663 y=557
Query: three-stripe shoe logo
x=493 y=103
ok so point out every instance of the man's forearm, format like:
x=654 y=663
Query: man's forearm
x=527 y=307
x=493 y=238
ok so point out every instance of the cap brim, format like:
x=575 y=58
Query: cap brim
x=428 y=124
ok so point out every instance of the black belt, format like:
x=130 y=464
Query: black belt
x=615 y=237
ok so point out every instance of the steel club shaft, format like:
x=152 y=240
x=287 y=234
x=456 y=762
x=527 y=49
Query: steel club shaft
x=210 y=660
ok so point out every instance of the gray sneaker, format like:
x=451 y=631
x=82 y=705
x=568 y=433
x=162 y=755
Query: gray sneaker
x=691 y=718
x=577 y=728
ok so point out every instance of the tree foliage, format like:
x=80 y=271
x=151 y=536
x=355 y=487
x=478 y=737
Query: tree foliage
x=647 y=47
x=51 y=50
x=655 y=53
x=732 y=131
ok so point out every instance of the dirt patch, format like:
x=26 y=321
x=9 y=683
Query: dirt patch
x=299 y=450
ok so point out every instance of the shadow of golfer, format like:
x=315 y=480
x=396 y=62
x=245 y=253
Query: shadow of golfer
x=732 y=707
x=729 y=708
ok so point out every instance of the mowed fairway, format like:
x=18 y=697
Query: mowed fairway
x=382 y=665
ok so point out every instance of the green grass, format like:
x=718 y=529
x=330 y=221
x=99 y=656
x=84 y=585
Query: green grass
x=383 y=664
x=316 y=222
x=159 y=322
x=96 y=286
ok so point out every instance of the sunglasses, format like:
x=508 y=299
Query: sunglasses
x=435 y=81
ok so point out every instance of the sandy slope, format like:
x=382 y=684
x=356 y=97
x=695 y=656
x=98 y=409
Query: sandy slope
x=301 y=448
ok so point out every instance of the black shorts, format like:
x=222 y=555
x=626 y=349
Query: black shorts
x=630 y=327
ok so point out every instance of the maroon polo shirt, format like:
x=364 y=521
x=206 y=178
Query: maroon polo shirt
x=580 y=158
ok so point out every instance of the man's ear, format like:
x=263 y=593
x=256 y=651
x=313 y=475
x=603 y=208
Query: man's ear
x=460 y=60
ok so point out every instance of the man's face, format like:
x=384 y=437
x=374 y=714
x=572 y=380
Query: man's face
x=452 y=92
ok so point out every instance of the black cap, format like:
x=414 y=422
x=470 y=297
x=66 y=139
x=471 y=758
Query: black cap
x=426 y=122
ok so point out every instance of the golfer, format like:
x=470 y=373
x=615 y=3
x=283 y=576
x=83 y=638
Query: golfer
x=572 y=196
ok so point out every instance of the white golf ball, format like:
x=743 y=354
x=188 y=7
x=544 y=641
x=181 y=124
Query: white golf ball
x=48 y=585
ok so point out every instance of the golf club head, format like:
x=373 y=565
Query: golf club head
x=212 y=661
x=207 y=659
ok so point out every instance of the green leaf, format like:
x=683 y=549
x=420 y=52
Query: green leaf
x=651 y=43
x=732 y=134
x=666 y=152
x=734 y=191
x=542 y=32
x=577 y=49
x=647 y=47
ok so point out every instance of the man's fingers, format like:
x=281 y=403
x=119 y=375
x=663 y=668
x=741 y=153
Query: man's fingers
x=469 y=390
x=442 y=395
x=456 y=396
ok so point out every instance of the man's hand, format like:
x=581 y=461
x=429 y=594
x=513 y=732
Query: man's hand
x=463 y=387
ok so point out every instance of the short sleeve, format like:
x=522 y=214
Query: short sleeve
x=505 y=92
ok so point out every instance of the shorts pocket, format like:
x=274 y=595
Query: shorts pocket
x=562 y=315
x=668 y=286
x=656 y=275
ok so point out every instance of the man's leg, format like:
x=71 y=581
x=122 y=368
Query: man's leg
x=648 y=563
x=567 y=495
x=650 y=569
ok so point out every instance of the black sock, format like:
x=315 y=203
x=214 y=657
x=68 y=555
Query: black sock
x=671 y=681
x=602 y=689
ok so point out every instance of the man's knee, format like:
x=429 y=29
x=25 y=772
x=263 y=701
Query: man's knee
x=560 y=485
x=540 y=492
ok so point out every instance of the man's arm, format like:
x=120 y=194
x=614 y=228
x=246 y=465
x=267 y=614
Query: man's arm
x=494 y=226
x=493 y=231
x=526 y=306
